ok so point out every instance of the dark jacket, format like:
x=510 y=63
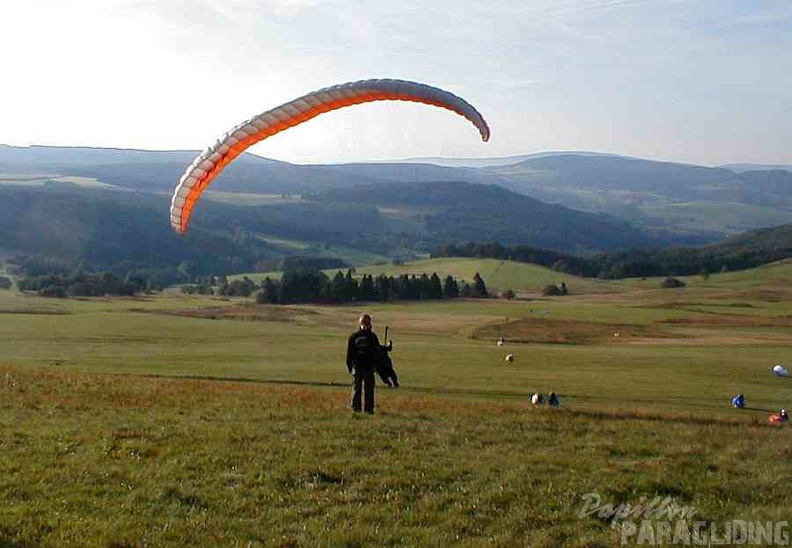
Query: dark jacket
x=360 y=350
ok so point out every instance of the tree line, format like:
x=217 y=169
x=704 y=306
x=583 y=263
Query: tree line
x=738 y=253
x=81 y=284
x=303 y=285
x=314 y=286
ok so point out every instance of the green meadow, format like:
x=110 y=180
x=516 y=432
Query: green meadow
x=731 y=218
x=174 y=419
x=40 y=180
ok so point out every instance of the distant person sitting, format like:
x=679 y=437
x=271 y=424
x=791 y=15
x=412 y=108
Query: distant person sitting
x=553 y=400
x=738 y=401
x=537 y=399
x=781 y=416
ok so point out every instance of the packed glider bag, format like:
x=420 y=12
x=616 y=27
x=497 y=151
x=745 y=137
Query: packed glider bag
x=384 y=366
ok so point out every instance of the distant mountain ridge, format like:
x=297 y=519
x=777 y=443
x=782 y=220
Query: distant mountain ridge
x=613 y=173
x=497 y=161
x=740 y=168
x=81 y=155
x=389 y=209
x=700 y=203
x=37 y=155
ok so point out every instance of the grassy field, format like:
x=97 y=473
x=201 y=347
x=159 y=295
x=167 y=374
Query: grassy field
x=39 y=180
x=249 y=198
x=723 y=217
x=349 y=255
x=175 y=419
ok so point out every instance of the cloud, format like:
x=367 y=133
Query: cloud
x=599 y=74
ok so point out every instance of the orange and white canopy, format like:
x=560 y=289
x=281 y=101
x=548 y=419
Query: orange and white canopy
x=215 y=158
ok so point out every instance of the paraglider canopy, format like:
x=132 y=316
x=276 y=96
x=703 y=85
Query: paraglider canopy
x=208 y=165
x=780 y=371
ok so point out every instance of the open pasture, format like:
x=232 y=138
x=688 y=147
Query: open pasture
x=634 y=347
x=176 y=419
x=40 y=180
x=109 y=460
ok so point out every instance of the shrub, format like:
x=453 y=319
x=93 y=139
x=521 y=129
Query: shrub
x=52 y=291
x=670 y=283
x=552 y=290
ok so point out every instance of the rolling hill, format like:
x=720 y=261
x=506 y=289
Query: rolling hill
x=108 y=228
x=159 y=171
x=109 y=206
x=652 y=193
x=459 y=212
x=703 y=203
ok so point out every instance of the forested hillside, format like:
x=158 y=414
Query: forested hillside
x=458 y=211
x=111 y=229
x=738 y=253
x=116 y=229
x=119 y=219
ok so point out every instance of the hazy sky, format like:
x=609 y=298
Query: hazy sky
x=705 y=82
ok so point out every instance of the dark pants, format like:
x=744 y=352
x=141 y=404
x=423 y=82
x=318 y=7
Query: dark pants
x=364 y=381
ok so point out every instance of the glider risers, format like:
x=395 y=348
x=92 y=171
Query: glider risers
x=214 y=159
